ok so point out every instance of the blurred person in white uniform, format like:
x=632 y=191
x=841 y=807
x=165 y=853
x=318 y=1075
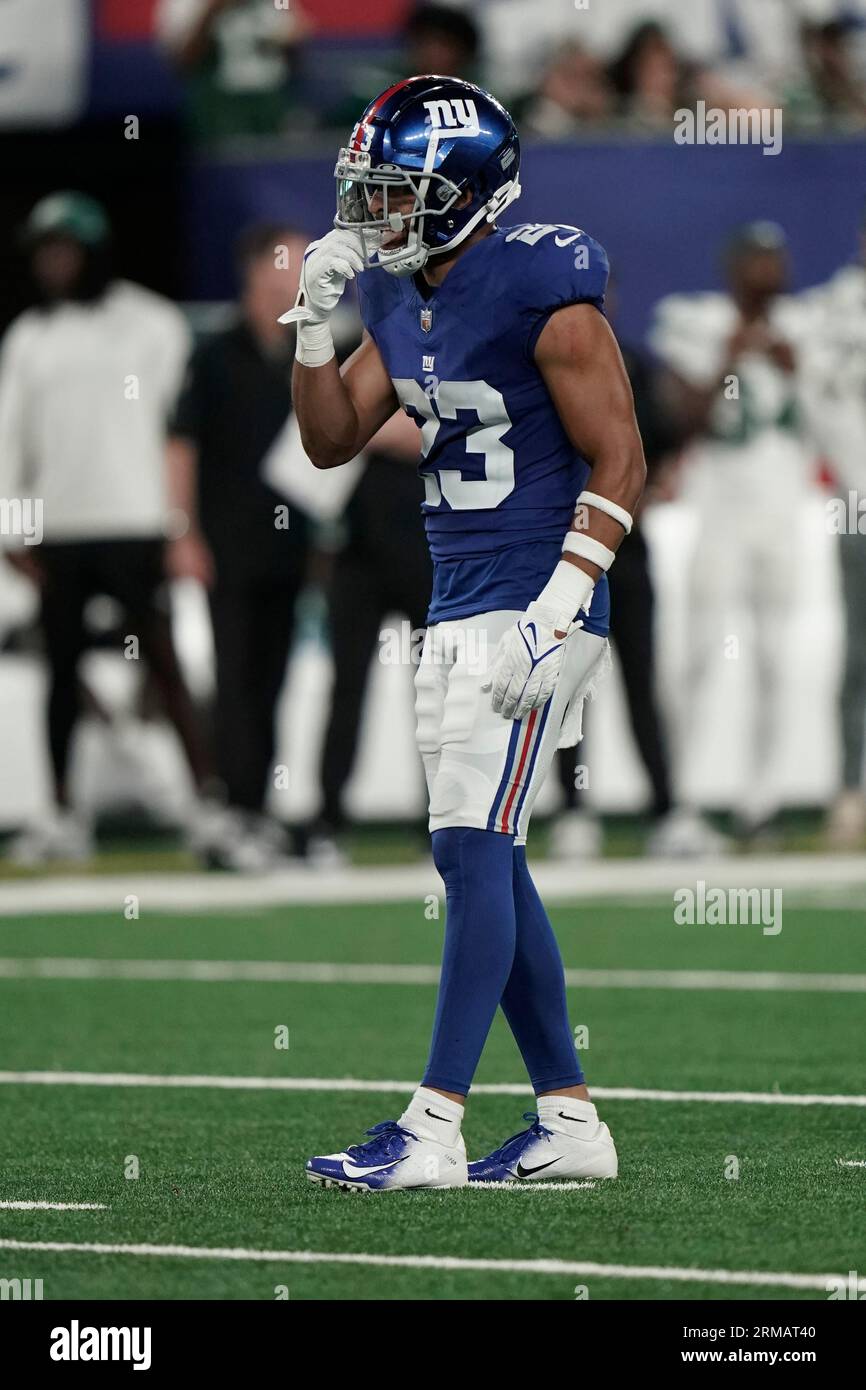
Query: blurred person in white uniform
x=735 y=369
x=87 y=379
x=837 y=377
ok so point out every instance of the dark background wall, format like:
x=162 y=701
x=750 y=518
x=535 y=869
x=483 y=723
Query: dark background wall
x=653 y=206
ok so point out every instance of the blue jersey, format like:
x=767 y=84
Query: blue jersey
x=501 y=476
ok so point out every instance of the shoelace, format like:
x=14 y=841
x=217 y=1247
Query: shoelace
x=536 y=1131
x=380 y=1145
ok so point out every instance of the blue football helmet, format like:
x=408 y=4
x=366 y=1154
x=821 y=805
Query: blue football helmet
x=416 y=152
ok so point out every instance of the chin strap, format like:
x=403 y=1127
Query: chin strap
x=492 y=209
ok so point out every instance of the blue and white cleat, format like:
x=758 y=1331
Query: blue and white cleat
x=393 y=1158
x=539 y=1153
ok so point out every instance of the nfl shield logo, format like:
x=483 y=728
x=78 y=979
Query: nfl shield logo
x=426 y=320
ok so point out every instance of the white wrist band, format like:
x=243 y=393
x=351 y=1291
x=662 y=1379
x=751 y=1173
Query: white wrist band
x=567 y=590
x=576 y=543
x=315 y=344
x=604 y=504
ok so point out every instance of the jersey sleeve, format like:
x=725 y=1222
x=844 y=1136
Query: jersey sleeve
x=13 y=395
x=552 y=267
x=175 y=349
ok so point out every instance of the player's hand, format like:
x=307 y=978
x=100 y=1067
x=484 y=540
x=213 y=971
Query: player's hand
x=189 y=557
x=527 y=664
x=783 y=355
x=328 y=265
x=26 y=563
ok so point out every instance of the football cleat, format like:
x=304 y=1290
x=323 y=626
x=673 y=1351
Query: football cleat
x=540 y=1153
x=392 y=1158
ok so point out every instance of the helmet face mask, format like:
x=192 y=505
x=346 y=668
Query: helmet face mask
x=418 y=176
x=359 y=186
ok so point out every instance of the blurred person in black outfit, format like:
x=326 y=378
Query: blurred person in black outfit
x=436 y=38
x=384 y=568
x=241 y=541
x=577 y=833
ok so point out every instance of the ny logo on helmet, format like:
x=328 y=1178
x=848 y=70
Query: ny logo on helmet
x=457 y=116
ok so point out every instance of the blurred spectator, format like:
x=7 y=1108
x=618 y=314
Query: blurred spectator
x=735 y=381
x=441 y=39
x=237 y=57
x=837 y=378
x=384 y=568
x=831 y=88
x=649 y=80
x=437 y=39
x=235 y=401
x=577 y=832
x=748 y=45
x=574 y=94
x=87 y=381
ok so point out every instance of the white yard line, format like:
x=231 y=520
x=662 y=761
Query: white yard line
x=344 y=1085
x=851 y=1162
x=582 y=1268
x=52 y=1206
x=623 y=879
x=216 y=971
x=331 y=972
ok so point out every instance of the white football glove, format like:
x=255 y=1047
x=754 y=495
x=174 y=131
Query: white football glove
x=328 y=264
x=527 y=663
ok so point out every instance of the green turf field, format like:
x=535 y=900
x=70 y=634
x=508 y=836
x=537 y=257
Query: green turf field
x=224 y=1168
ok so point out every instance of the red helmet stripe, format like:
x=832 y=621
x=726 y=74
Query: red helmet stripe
x=376 y=107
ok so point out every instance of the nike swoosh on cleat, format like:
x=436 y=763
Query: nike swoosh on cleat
x=443 y=1118
x=576 y=1119
x=527 y=1172
x=352 y=1172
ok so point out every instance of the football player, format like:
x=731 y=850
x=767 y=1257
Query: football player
x=494 y=340
x=735 y=366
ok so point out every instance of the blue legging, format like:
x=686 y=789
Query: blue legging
x=499 y=949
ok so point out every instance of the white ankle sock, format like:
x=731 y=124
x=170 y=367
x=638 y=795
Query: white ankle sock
x=565 y=1115
x=432 y=1116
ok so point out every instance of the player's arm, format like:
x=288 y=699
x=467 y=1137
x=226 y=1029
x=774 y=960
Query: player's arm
x=188 y=555
x=578 y=356
x=690 y=404
x=583 y=370
x=340 y=409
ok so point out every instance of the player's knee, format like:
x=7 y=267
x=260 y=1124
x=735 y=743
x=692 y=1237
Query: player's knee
x=464 y=854
x=446 y=854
